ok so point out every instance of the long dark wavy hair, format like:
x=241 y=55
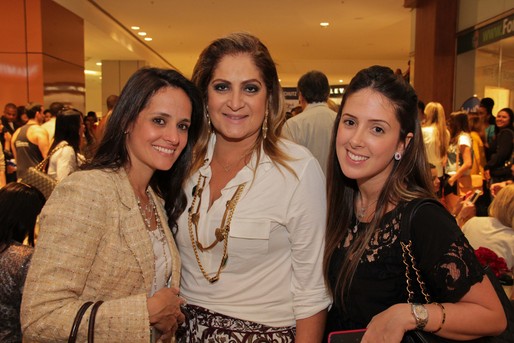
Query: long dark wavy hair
x=409 y=179
x=112 y=150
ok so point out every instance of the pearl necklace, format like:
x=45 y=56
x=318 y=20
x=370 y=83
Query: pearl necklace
x=148 y=213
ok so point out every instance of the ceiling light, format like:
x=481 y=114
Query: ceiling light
x=148 y=39
x=98 y=63
x=324 y=24
x=135 y=27
x=92 y=72
x=142 y=33
x=340 y=81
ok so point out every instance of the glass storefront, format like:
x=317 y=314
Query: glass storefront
x=485 y=63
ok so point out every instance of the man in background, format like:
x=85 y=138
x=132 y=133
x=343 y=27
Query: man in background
x=30 y=142
x=312 y=128
x=49 y=124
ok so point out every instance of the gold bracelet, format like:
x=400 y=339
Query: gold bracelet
x=444 y=317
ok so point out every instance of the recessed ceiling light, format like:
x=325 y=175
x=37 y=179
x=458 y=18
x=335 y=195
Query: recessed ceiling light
x=135 y=27
x=98 y=63
x=340 y=81
x=148 y=39
x=142 y=33
x=324 y=24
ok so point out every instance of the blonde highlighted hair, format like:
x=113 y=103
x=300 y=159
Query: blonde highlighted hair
x=435 y=116
x=502 y=207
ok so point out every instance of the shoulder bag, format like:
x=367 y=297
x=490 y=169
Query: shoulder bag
x=78 y=318
x=418 y=336
x=38 y=178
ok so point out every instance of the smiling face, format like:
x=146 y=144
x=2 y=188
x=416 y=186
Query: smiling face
x=368 y=137
x=503 y=119
x=237 y=99
x=159 y=134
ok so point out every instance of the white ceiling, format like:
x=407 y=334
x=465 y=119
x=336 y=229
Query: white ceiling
x=361 y=32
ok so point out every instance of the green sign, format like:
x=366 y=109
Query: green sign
x=488 y=34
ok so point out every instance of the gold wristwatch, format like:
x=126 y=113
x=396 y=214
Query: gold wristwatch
x=420 y=313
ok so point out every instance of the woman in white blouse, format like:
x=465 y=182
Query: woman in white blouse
x=66 y=158
x=252 y=240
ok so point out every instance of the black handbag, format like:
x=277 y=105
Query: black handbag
x=418 y=336
x=78 y=318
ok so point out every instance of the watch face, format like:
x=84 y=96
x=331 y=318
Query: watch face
x=421 y=312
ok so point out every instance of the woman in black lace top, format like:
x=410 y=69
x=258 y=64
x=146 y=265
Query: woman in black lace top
x=20 y=205
x=378 y=165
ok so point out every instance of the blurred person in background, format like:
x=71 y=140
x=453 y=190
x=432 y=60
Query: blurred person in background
x=20 y=205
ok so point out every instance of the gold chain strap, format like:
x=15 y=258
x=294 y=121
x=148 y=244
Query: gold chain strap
x=221 y=233
x=407 y=251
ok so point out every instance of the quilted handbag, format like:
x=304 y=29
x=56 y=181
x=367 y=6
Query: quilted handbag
x=37 y=178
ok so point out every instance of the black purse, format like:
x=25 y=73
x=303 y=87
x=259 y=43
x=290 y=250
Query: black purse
x=418 y=336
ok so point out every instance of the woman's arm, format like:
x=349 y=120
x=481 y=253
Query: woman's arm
x=479 y=313
x=503 y=150
x=310 y=330
x=307 y=229
x=465 y=154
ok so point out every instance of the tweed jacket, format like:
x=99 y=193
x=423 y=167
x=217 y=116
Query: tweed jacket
x=93 y=245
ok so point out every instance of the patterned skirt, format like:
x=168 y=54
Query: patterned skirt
x=203 y=325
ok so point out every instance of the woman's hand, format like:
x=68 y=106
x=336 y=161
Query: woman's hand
x=390 y=325
x=164 y=311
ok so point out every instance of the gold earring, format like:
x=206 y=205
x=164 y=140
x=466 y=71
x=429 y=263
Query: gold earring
x=265 y=125
x=209 y=124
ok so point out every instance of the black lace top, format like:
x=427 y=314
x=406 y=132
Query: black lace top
x=447 y=262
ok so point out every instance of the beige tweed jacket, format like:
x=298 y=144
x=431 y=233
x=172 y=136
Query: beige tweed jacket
x=93 y=245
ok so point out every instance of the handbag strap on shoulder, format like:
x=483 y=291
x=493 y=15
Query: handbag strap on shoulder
x=406 y=244
x=41 y=165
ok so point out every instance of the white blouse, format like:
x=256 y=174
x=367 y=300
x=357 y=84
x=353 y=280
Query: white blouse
x=273 y=274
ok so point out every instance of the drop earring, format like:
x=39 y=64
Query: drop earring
x=209 y=124
x=397 y=156
x=265 y=125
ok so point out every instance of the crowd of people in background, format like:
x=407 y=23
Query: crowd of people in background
x=199 y=209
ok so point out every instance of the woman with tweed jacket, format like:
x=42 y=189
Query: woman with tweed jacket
x=105 y=234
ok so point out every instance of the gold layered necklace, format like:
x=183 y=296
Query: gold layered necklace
x=221 y=233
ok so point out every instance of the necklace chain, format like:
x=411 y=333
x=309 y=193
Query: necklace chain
x=220 y=233
x=149 y=212
x=228 y=167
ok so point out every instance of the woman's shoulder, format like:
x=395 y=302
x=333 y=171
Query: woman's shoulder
x=98 y=180
x=294 y=150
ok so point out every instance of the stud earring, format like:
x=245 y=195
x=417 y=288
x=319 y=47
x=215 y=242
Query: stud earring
x=397 y=156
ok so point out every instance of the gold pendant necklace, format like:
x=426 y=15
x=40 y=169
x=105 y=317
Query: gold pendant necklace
x=220 y=233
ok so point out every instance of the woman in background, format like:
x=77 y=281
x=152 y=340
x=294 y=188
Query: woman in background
x=458 y=165
x=20 y=205
x=436 y=136
x=496 y=231
x=105 y=233
x=377 y=166
x=66 y=157
x=501 y=149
